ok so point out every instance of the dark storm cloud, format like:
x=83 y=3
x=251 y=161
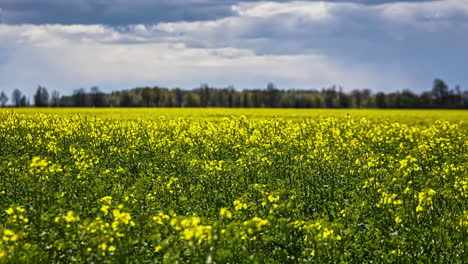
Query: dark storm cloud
x=121 y=12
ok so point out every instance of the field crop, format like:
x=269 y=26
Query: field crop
x=413 y=117
x=273 y=187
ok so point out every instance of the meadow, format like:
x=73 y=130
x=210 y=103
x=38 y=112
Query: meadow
x=233 y=186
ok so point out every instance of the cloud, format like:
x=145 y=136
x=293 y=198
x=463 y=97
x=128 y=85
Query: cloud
x=309 y=10
x=122 y=12
x=295 y=44
x=65 y=61
x=438 y=11
x=152 y=61
x=117 y=12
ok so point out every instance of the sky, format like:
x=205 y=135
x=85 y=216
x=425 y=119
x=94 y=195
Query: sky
x=120 y=44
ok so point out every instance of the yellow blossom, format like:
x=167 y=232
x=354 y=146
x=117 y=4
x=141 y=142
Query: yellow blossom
x=225 y=213
x=238 y=205
x=105 y=209
x=10 y=211
x=70 y=217
x=106 y=200
x=272 y=198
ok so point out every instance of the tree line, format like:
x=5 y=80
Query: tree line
x=440 y=96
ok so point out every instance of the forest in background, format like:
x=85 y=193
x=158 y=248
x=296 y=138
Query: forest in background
x=440 y=96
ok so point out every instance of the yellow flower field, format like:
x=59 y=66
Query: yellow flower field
x=400 y=115
x=233 y=186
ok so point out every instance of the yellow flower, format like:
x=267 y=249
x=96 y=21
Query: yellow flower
x=238 y=205
x=272 y=198
x=121 y=218
x=10 y=211
x=225 y=213
x=38 y=163
x=103 y=246
x=160 y=217
x=105 y=209
x=425 y=200
x=70 y=217
x=388 y=199
x=198 y=232
x=255 y=224
x=106 y=200
x=419 y=208
x=343 y=212
x=327 y=233
x=9 y=235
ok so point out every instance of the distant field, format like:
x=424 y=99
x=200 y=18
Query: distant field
x=233 y=186
x=406 y=116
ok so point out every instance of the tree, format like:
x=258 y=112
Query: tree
x=41 y=98
x=317 y=100
x=127 y=99
x=344 y=99
x=192 y=100
x=273 y=95
x=458 y=92
x=381 y=100
x=440 y=92
x=330 y=97
x=246 y=99
x=362 y=98
x=97 y=97
x=366 y=95
x=408 y=99
x=178 y=97
x=465 y=99
x=79 y=97
x=147 y=95
x=24 y=101
x=3 y=99
x=16 y=97
x=204 y=94
x=425 y=99
x=55 y=99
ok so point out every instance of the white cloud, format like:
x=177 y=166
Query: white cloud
x=413 y=12
x=311 y=10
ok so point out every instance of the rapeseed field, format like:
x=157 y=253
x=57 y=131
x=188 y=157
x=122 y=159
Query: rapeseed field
x=233 y=186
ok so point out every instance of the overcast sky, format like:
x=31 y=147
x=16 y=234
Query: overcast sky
x=121 y=44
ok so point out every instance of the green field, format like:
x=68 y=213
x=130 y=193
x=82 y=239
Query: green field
x=233 y=186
